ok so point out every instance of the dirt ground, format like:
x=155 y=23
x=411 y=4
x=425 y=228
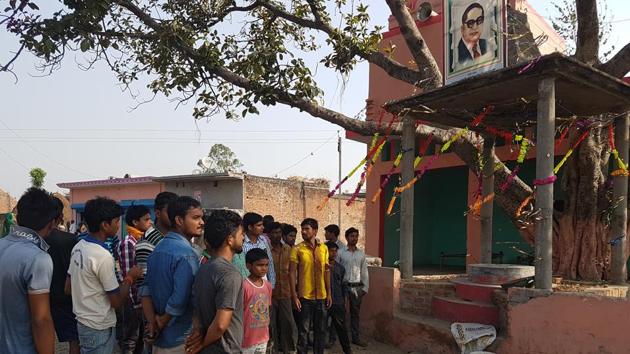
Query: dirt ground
x=373 y=348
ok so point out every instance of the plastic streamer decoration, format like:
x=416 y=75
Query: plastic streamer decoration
x=374 y=147
x=522 y=153
x=475 y=209
x=416 y=162
x=418 y=175
x=622 y=169
x=563 y=135
x=366 y=172
x=570 y=152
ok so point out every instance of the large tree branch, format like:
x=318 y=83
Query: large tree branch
x=418 y=47
x=464 y=148
x=619 y=65
x=587 y=43
x=391 y=67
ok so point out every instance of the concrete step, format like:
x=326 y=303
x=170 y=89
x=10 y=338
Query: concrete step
x=497 y=274
x=459 y=310
x=470 y=291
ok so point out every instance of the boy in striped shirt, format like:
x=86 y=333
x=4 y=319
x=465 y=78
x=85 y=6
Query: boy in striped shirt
x=138 y=220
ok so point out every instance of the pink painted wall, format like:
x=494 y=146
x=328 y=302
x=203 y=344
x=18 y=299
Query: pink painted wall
x=117 y=192
x=568 y=324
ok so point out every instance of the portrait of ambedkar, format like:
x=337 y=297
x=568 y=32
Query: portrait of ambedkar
x=471 y=46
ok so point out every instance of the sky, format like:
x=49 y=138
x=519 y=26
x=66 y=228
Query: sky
x=78 y=125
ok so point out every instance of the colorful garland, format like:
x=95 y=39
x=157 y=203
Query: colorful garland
x=620 y=164
x=374 y=147
x=418 y=175
x=570 y=152
x=416 y=162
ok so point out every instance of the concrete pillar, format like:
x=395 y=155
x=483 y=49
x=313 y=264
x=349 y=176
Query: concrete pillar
x=545 y=131
x=486 y=208
x=406 y=201
x=620 y=217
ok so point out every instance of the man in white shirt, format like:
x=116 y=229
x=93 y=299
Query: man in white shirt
x=357 y=278
x=92 y=279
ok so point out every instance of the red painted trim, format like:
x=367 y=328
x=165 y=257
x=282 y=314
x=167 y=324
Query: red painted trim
x=627 y=80
x=396 y=30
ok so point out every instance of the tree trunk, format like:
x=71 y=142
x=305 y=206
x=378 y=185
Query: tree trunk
x=581 y=232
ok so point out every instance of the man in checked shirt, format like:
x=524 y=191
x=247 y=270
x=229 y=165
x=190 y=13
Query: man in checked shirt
x=138 y=220
x=357 y=278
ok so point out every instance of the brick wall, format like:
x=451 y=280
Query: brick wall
x=416 y=296
x=291 y=201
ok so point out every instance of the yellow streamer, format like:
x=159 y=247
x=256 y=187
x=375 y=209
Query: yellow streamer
x=453 y=139
x=416 y=162
x=523 y=152
x=398 y=159
x=564 y=159
x=620 y=162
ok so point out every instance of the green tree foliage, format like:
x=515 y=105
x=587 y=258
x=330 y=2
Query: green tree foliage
x=220 y=159
x=37 y=177
x=202 y=50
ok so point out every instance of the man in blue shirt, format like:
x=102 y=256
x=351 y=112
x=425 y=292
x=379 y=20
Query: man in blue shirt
x=171 y=270
x=26 y=269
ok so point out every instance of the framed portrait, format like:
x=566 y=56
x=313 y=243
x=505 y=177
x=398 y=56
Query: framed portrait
x=474 y=40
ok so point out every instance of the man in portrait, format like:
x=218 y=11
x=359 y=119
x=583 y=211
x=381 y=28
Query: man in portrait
x=471 y=46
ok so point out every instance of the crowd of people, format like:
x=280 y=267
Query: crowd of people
x=156 y=290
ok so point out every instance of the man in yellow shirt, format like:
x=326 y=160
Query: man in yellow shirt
x=309 y=269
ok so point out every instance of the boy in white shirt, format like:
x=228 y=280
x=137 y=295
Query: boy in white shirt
x=92 y=279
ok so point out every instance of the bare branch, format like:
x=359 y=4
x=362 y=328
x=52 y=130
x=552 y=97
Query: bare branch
x=587 y=43
x=7 y=66
x=418 y=47
x=619 y=65
x=132 y=35
x=315 y=10
x=232 y=9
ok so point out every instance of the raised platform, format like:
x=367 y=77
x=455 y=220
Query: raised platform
x=497 y=274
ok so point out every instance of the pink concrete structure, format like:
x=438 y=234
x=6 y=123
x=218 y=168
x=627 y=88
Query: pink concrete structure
x=534 y=321
x=383 y=88
x=567 y=324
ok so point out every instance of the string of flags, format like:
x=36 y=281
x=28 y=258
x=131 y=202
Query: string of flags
x=378 y=142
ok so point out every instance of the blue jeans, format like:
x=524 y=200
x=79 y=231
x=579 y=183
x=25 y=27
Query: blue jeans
x=94 y=341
